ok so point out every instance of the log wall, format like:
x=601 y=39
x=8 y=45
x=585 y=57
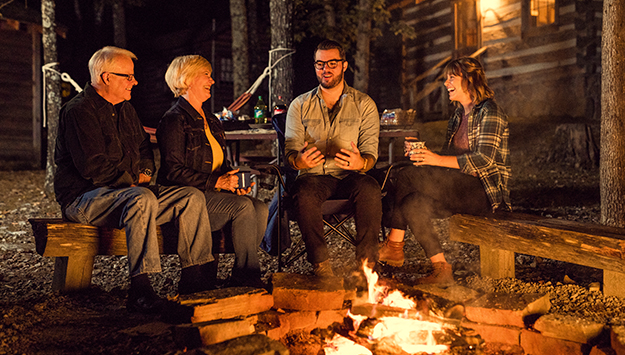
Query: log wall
x=553 y=70
x=20 y=98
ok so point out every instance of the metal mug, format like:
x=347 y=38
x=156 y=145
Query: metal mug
x=412 y=144
x=245 y=177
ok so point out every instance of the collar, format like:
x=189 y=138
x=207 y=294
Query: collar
x=98 y=101
x=190 y=110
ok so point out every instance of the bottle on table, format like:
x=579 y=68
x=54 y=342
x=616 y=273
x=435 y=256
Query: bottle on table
x=260 y=111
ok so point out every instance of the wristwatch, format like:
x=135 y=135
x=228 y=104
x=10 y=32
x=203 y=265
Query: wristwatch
x=147 y=172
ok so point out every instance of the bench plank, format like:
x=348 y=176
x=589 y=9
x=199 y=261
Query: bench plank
x=75 y=246
x=503 y=234
x=595 y=246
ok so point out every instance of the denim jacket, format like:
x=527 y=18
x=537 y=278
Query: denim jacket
x=308 y=121
x=186 y=155
x=98 y=145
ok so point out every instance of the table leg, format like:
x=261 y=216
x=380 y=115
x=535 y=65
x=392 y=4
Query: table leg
x=390 y=150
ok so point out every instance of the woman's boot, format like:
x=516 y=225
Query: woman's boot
x=392 y=253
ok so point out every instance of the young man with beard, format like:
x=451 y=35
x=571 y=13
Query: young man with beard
x=332 y=139
x=104 y=165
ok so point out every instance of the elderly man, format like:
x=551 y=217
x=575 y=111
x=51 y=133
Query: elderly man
x=104 y=165
x=332 y=139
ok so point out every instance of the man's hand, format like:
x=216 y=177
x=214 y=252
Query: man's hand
x=228 y=181
x=310 y=158
x=350 y=159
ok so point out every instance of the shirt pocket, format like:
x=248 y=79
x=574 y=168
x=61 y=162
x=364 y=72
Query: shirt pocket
x=195 y=139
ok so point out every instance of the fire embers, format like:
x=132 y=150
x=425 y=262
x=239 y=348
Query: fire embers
x=391 y=323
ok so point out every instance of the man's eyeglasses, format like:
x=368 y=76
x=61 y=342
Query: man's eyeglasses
x=129 y=77
x=332 y=63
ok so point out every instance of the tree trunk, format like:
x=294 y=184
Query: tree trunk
x=119 y=24
x=52 y=89
x=612 y=165
x=257 y=63
x=281 y=37
x=363 y=44
x=330 y=14
x=240 y=53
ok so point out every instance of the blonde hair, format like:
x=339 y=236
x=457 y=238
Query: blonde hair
x=104 y=58
x=182 y=70
x=473 y=74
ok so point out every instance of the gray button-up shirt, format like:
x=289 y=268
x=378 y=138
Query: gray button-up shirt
x=307 y=120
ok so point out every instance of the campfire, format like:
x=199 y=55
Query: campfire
x=388 y=322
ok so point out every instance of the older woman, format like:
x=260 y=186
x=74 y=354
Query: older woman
x=470 y=176
x=192 y=145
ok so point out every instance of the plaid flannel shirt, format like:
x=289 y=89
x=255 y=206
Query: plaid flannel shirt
x=489 y=158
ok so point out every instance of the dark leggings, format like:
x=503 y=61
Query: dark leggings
x=426 y=192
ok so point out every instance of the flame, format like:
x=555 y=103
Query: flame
x=412 y=335
x=343 y=346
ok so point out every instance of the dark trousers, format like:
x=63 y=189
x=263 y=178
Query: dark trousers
x=426 y=192
x=310 y=191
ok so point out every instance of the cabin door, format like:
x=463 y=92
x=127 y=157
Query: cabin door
x=467 y=27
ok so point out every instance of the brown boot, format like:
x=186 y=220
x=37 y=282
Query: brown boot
x=442 y=275
x=392 y=253
x=323 y=269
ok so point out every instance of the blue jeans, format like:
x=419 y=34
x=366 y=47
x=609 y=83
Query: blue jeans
x=139 y=211
x=249 y=221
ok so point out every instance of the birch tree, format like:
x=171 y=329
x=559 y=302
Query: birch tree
x=52 y=89
x=612 y=164
x=240 y=53
x=281 y=45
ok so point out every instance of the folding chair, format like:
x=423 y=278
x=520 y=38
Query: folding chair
x=336 y=212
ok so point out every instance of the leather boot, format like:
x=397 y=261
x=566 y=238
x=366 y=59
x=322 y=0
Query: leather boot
x=392 y=253
x=441 y=275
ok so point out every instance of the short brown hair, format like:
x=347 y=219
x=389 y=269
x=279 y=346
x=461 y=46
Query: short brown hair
x=329 y=44
x=472 y=71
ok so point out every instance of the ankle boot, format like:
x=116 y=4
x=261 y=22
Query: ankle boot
x=442 y=275
x=392 y=253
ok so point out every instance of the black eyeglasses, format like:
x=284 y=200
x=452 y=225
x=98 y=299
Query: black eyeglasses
x=332 y=63
x=129 y=77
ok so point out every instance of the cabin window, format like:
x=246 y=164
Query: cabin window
x=542 y=12
x=226 y=72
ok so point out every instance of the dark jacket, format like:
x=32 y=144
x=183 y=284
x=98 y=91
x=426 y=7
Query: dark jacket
x=186 y=155
x=97 y=147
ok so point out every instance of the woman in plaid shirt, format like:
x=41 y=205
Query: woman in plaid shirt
x=469 y=176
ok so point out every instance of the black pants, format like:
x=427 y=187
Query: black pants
x=310 y=191
x=426 y=192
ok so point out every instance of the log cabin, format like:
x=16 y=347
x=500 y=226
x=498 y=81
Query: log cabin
x=542 y=57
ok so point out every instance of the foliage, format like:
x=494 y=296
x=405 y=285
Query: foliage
x=312 y=18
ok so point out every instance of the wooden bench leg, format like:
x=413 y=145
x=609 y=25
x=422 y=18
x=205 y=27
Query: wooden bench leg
x=72 y=273
x=496 y=263
x=613 y=283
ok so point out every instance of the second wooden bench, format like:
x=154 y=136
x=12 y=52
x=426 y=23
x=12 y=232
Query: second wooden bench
x=501 y=235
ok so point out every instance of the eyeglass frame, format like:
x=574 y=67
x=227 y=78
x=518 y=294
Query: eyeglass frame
x=129 y=77
x=327 y=63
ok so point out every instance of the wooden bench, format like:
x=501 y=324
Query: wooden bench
x=501 y=235
x=75 y=246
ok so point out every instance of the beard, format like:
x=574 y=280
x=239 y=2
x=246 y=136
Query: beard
x=334 y=81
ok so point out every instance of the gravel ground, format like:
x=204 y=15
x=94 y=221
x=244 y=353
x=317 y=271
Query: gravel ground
x=36 y=320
